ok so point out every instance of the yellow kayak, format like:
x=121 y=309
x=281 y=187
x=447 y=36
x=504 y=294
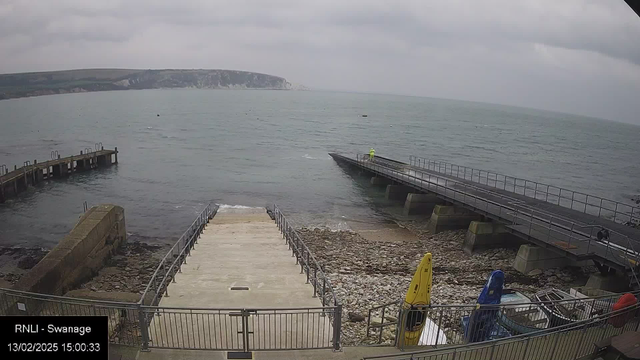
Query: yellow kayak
x=418 y=296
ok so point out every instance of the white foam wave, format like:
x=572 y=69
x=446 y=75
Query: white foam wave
x=226 y=208
x=307 y=156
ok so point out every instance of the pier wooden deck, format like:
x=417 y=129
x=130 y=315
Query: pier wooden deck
x=18 y=180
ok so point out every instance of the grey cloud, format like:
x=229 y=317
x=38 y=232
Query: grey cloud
x=436 y=48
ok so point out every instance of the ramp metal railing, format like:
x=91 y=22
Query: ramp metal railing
x=172 y=262
x=314 y=272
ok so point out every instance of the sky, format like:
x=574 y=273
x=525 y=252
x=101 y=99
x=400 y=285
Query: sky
x=575 y=56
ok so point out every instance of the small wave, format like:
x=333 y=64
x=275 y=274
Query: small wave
x=241 y=209
x=333 y=227
x=307 y=156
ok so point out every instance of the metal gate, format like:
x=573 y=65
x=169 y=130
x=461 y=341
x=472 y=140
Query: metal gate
x=242 y=329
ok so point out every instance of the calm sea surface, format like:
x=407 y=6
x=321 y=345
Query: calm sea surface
x=257 y=147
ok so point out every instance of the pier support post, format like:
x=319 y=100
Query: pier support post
x=376 y=180
x=2 y=197
x=485 y=235
x=104 y=160
x=397 y=192
x=116 y=153
x=421 y=203
x=531 y=257
x=39 y=175
x=80 y=165
x=450 y=218
x=610 y=282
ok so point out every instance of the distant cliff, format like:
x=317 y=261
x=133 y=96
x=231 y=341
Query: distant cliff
x=72 y=81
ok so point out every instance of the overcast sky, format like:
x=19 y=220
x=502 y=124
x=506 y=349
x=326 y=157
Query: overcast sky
x=576 y=56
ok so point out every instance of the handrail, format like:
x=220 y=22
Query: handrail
x=514 y=212
x=164 y=271
x=66 y=299
x=584 y=324
x=540 y=188
x=299 y=248
x=437 y=166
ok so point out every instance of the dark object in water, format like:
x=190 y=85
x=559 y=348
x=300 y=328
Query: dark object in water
x=157 y=114
x=364 y=115
x=483 y=320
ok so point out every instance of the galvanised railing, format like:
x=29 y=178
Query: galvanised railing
x=574 y=200
x=124 y=318
x=448 y=317
x=231 y=329
x=586 y=203
x=566 y=342
x=540 y=225
x=172 y=262
x=314 y=271
x=245 y=330
x=308 y=264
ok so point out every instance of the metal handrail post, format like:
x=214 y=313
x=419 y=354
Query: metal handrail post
x=144 y=329
x=337 y=327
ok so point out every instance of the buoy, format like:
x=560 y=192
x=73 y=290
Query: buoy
x=158 y=115
x=364 y=115
x=390 y=125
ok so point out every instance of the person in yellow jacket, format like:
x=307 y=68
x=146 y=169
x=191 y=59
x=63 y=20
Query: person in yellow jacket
x=371 y=154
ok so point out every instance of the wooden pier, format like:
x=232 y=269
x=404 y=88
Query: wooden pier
x=14 y=182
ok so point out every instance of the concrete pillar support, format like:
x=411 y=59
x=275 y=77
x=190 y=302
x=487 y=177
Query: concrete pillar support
x=611 y=282
x=531 y=257
x=397 y=192
x=485 y=235
x=450 y=218
x=376 y=180
x=421 y=203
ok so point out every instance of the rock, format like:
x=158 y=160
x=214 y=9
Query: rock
x=552 y=278
x=355 y=317
x=391 y=318
x=375 y=320
x=535 y=272
x=28 y=262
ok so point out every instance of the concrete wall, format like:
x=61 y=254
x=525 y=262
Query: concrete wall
x=80 y=254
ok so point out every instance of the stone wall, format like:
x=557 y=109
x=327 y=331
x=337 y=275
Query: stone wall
x=80 y=254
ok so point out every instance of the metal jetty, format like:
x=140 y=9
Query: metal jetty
x=573 y=224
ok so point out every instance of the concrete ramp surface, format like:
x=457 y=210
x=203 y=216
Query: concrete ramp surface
x=242 y=287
